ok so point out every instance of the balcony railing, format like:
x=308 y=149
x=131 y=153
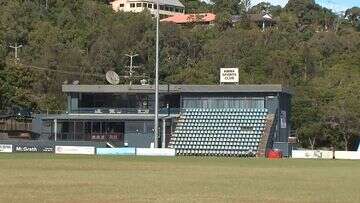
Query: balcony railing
x=124 y=111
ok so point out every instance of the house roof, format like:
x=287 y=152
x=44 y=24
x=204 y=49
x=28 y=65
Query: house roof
x=191 y=18
x=255 y=18
x=176 y=88
x=161 y=2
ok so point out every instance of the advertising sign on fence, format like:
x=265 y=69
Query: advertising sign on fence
x=6 y=148
x=154 y=152
x=312 y=154
x=74 y=150
x=116 y=151
x=33 y=148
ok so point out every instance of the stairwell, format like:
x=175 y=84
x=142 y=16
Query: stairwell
x=265 y=142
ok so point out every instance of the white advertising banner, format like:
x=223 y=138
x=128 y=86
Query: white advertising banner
x=74 y=150
x=312 y=154
x=229 y=75
x=353 y=155
x=6 y=148
x=155 y=152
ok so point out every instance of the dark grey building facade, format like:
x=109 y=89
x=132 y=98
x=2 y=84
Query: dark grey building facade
x=124 y=114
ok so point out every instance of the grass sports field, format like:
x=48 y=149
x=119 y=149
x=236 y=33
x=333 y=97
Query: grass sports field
x=55 y=178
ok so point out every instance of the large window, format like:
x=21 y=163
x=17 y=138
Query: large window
x=132 y=5
x=138 y=4
x=225 y=102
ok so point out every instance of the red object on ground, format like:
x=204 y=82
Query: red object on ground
x=274 y=154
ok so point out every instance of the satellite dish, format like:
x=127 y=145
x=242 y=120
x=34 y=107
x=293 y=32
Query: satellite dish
x=112 y=77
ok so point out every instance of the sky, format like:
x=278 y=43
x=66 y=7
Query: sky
x=336 y=5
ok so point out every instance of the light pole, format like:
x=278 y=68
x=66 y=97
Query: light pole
x=156 y=122
x=131 y=65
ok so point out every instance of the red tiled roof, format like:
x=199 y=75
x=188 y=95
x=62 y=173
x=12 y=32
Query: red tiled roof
x=191 y=18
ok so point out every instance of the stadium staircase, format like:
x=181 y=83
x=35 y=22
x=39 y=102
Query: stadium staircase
x=265 y=142
x=221 y=132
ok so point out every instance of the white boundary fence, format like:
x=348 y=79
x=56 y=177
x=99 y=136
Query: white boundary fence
x=353 y=155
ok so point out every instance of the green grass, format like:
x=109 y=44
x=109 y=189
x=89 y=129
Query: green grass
x=55 y=178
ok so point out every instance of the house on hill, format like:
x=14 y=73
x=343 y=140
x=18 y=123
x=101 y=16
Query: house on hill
x=166 y=8
x=262 y=20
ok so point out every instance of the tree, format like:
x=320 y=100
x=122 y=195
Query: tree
x=353 y=14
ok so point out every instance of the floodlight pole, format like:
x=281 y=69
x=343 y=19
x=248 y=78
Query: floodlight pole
x=131 y=65
x=156 y=122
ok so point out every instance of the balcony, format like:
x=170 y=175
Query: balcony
x=124 y=111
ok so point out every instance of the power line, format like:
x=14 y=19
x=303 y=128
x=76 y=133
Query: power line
x=72 y=73
x=64 y=72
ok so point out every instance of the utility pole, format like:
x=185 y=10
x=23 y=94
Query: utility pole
x=16 y=47
x=156 y=123
x=131 y=71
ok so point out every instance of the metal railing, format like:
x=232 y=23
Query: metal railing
x=124 y=111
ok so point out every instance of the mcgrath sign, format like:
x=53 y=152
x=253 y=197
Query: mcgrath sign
x=33 y=148
x=229 y=75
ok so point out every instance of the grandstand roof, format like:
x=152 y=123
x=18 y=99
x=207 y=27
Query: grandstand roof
x=176 y=88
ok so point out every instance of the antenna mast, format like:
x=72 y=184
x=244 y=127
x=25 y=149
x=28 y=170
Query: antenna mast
x=131 y=67
x=16 y=47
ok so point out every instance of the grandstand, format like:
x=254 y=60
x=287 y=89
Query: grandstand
x=220 y=131
x=205 y=120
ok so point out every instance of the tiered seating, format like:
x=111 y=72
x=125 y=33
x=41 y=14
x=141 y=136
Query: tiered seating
x=219 y=132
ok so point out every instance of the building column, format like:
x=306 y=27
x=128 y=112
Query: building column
x=55 y=129
x=163 y=134
x=74 y=130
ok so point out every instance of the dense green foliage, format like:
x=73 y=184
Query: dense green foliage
x=311 y=50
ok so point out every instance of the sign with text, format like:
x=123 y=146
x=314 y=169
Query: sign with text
x=33 y=148
x=6 y=148
x=283 y=119
x=116 y=151
x=155 y=152
x=229 y=75
x=312 y=154
x=74 y=150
